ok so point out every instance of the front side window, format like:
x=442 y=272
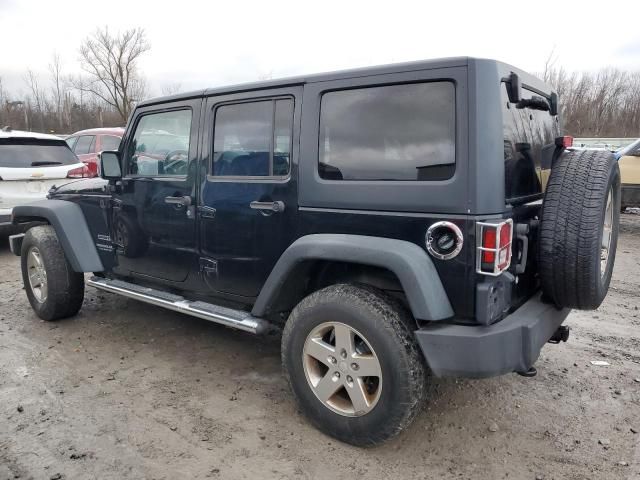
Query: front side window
x=253 y=139
x=394 y=132
x=160 y=144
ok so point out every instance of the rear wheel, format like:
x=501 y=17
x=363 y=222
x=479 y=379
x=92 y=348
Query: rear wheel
x=54 y=290
x=353 y=364
x=579 y=228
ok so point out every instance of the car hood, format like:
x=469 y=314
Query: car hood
x=82 y=186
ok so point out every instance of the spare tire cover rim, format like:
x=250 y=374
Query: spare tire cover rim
x=607 y=231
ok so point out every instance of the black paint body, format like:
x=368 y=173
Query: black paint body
x=221 y=250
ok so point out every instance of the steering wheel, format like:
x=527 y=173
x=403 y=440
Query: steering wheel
x=175 y=162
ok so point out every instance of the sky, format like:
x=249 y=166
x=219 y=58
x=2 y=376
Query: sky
x=199 y=44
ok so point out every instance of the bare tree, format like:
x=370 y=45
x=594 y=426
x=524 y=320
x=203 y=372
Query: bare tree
x=605 y=103
x=171 y=88
x=110 y=62
x=38 y=96
x=57 y=89
x=549 y=64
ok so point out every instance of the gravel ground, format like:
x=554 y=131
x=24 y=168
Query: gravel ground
x=130 y=391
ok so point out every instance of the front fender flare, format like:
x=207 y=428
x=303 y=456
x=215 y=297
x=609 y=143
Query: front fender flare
x=411 y=264
x=71 y=228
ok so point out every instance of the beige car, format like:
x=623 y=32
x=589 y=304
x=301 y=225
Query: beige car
x=629 y=160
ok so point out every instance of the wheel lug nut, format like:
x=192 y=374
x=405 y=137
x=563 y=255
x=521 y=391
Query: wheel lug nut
x=343 y=353
x=332 y=360
x=337 y=374
x=354 y=366
x=349 y=379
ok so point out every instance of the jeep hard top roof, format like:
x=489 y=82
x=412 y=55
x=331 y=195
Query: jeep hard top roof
x=503 y=69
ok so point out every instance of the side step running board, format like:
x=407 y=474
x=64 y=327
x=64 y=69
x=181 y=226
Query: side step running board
x=229 y=317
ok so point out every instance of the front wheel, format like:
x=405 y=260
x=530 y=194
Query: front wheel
x=54 y=290
x=352 y=362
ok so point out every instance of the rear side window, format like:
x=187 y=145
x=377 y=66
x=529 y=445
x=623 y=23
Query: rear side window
x=84 y=145
x=394 y=132
x=110 y=143
x=253 y=139
x=71 y=141
x=26 y=153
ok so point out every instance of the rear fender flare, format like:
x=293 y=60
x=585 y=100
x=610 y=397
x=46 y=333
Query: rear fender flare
x=71 y=228
x=410 y=263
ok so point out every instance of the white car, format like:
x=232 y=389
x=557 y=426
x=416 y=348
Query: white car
x=30 y=164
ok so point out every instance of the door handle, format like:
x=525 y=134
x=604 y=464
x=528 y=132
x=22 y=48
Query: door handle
x=274 y=207
x=178 y=201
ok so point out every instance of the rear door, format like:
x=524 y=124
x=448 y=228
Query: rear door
x=248 y=200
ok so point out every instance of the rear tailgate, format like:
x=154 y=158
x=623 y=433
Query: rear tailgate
x=19 y=192
x=529 y=145
x=29 y=167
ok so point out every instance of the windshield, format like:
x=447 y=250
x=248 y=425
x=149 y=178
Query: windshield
x=28 y=152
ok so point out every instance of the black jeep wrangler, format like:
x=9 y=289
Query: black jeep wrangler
x=393 y=220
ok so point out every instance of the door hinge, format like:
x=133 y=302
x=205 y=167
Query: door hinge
x=206 y=212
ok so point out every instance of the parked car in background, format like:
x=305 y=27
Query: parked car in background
x=30 y=164
x=629 y=161
x=87 y=143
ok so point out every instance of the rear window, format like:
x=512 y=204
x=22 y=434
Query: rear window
x=110 y=143
x=529 y=144
x=393 y=132
x=25 y=153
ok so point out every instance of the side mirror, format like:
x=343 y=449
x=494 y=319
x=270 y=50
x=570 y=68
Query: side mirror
x=110 y=165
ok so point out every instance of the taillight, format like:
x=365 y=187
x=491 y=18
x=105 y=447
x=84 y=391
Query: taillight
x=80 y=172
x=494 y=251
x=93 y=168
x=565 y=142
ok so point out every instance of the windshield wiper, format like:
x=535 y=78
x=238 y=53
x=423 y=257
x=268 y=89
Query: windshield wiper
x=45 y=162
x=535 y=103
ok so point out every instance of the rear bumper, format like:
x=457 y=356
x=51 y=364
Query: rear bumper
x=511 y=345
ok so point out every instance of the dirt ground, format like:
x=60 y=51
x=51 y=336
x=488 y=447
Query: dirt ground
x=130 y=391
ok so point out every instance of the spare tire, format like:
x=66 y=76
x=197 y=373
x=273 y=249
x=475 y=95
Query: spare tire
x=579 y=228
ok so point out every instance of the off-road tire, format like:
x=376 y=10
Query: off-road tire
x=388 y=328
x=65 y=287
x=571 y=228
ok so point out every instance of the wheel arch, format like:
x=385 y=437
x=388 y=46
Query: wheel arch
x=383 y=262
x=71 y=228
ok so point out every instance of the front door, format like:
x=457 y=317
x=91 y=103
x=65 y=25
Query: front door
x=153 y=222
x=248 y=199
